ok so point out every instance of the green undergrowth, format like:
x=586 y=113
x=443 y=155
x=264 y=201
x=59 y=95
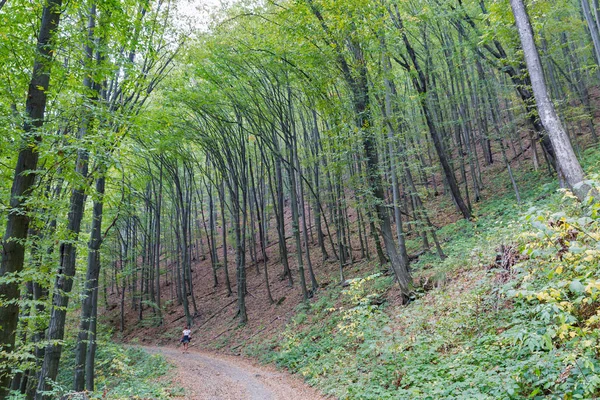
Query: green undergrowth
x=122 y=372
x=512 y=313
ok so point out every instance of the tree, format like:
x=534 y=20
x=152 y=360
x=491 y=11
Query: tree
x=17 y=226
x=568 y=165
x=355 y=73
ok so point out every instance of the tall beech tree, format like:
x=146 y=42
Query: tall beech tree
x=13 y=249
x=356 y=77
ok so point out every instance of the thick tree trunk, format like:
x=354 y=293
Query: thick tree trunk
x=398 y=259
x=565 y=156
x=91 y=348
x=17 y=225
x=66 y=273
x=93 y=269
x=63 y=283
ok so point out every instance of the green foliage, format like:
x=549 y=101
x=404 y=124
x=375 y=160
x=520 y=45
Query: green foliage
x=123 y=372
x=322 y=351
x=561 y=284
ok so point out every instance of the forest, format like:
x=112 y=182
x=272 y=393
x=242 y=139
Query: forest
x=390 y=199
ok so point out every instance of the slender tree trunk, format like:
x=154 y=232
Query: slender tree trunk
x=261 y=234
x=388 y=110
x=157 y=242
x=390 y=140
x=296 y=225
x=593 y=28
x=240 y=244
x=311 y=273
x=224 y=234
x=280 y=216
x=91 y=286
x=210 y=235
x=316 y=183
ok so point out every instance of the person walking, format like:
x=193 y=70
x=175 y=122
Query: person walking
x=186 y=338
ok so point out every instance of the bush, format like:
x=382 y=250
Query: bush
x=122 y=372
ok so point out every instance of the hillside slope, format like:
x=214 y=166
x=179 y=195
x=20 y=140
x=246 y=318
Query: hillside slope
x=494 y=320
x=512 y=313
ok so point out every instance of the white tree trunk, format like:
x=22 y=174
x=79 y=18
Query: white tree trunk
x=565 y=156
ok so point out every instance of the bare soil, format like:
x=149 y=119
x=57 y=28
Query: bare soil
x=207 y=376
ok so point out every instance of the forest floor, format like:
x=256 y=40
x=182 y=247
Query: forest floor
x=207 y=376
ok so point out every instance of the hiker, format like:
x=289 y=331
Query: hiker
x=187 y=336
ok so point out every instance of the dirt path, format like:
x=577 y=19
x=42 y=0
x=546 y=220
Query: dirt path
x=217 y=377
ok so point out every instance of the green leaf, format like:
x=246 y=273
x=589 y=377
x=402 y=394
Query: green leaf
x=576 y=286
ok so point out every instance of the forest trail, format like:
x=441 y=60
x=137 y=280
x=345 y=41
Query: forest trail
x=208 y=376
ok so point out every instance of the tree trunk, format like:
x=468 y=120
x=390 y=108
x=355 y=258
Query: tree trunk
x=280 y=215
x=224 y=234
x=593 y=28
x=157 y=247
x=91 y=348
x=565 y=156
x=63 y=283
x=17 y=226
x=91 y=286
x=420 y=82
x=68 y=257
x=295 y=223
x=261 y=233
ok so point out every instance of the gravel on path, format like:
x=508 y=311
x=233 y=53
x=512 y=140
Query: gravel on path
x=208 y=376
